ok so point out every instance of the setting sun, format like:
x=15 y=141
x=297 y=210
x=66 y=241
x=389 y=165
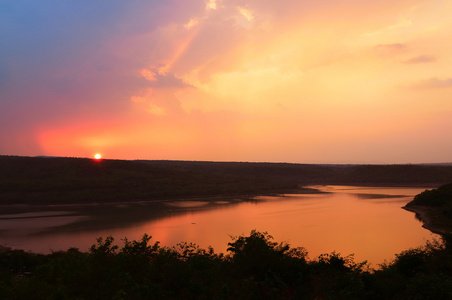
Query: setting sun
x=97 y=156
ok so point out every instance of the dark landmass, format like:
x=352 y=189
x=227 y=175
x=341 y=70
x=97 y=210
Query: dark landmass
x=434 y=208
x=58 y=180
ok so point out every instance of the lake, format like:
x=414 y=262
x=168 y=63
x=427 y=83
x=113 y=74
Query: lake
x=366 y=221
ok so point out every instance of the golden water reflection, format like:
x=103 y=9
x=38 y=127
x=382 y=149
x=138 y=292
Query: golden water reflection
x=366 y=221
x=372 y=229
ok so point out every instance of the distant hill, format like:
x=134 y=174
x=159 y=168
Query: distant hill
x=44 y=180
x=307 y=174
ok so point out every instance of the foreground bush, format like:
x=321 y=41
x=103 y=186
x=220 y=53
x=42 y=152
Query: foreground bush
x=255 y=267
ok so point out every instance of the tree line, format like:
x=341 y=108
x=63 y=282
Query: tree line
x=59 y=180
x=255 y=267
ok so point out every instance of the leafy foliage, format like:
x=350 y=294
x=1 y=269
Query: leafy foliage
x=440 y=197
x=104 y=247
x=255 y=267
x=437 y=207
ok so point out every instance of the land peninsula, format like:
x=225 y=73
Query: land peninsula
x=434 y=208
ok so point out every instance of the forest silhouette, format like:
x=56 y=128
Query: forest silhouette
x=59 y=180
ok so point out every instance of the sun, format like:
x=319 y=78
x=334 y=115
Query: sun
x=97 y=156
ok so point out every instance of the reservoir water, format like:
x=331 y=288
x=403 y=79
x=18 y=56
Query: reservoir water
x=366 y=221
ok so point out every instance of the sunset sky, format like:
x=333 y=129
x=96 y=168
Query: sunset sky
x=321 y=81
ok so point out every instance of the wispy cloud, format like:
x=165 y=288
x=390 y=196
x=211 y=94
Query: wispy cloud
x=420 y=59
x=433 y=83
x=211 y=4
x=399 y=25
x=394 y=49
x=191 y=23
x=246 y=13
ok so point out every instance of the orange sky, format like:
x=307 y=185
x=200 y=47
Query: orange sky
x=260 y=80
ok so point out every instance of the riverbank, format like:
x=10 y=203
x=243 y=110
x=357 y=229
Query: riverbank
x=431 y=219
x=7 y=209
x=434 y=208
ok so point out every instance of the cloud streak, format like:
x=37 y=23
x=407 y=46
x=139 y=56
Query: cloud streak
x=420 y=59
x=433 y=83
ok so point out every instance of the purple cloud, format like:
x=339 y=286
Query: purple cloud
x=433 y=83
x=390 y=50
x=420 y=59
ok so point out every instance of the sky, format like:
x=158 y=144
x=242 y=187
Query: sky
x=321 y=81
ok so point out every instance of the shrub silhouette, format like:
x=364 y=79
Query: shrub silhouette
x=256 y=267
x=257 y=255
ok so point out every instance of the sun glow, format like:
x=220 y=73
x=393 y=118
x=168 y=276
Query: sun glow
x=97 y=156
x=237 y=80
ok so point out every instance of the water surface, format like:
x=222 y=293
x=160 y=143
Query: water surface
x=366 y=221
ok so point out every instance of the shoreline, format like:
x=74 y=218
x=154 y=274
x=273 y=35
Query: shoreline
x=427 y=215
x=101 y=203
x=212 y=198
x=302 y=189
